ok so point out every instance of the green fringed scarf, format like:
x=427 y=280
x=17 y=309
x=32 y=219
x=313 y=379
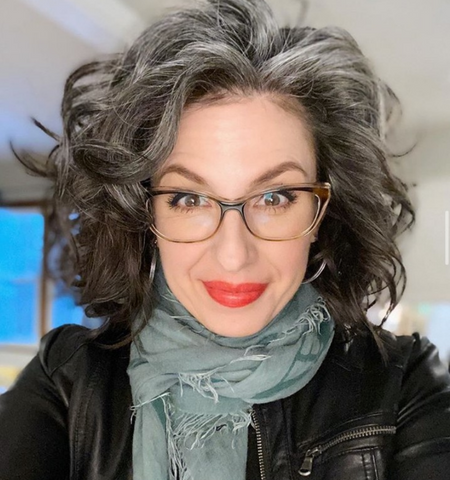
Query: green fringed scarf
x=193 y=390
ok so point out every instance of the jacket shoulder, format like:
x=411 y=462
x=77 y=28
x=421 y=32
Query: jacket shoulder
x=361 y=352
x=34 y=412
x=423 y=419
x=59 y=345
x=415 y=354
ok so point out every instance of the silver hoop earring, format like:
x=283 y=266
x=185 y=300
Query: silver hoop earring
x=316 y=275
x=151 y=275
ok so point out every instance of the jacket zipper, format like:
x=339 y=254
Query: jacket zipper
x=314 y=452
x=259 y=445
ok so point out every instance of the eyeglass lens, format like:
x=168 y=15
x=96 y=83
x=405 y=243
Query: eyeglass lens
x=278 y=215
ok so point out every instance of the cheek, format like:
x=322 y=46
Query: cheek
x=291 y=258
x=178 y=259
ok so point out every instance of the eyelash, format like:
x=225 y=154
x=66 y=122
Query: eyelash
x=173 y=200
x=290 y=196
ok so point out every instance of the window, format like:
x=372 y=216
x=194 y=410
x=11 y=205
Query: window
x=30 y=304
x=21 y=243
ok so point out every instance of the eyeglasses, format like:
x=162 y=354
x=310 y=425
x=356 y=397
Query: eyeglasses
x=283 y=213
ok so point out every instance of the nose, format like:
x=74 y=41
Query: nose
x=234 y=246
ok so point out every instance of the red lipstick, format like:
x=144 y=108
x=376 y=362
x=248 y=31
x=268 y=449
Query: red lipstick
x=234 y=295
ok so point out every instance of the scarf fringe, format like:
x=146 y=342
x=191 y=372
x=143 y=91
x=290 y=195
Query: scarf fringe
x=314 y=315
x=200 y=382
x=192 y=431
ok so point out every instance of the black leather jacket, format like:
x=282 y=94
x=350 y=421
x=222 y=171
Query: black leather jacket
x=68 y=416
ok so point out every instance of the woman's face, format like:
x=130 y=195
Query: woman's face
x=234 y=283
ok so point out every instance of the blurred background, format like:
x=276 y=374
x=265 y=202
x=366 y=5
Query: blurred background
x=42 y=41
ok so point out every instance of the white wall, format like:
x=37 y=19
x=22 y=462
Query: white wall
x=428 y=165
x=16 y=185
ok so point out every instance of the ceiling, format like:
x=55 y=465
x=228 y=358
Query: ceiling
x=44 y=40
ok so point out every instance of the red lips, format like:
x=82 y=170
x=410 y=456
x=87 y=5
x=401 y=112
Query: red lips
x=234 y=295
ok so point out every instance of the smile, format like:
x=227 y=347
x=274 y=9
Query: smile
x=234 y=295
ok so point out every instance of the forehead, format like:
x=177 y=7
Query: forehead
x=229 y=144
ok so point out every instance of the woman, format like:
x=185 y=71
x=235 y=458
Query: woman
x=224 y=194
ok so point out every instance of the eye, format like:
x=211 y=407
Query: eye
x=272 y=199
x=188 y=200
x=276 y=199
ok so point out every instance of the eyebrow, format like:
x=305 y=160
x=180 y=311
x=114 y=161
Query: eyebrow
x=184 y=172
x=264 y=178
x=276 y=171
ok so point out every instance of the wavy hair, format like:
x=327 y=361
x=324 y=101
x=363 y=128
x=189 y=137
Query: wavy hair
x=121 y=116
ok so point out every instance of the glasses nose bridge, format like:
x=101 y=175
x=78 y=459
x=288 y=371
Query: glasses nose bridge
x=227 y=206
